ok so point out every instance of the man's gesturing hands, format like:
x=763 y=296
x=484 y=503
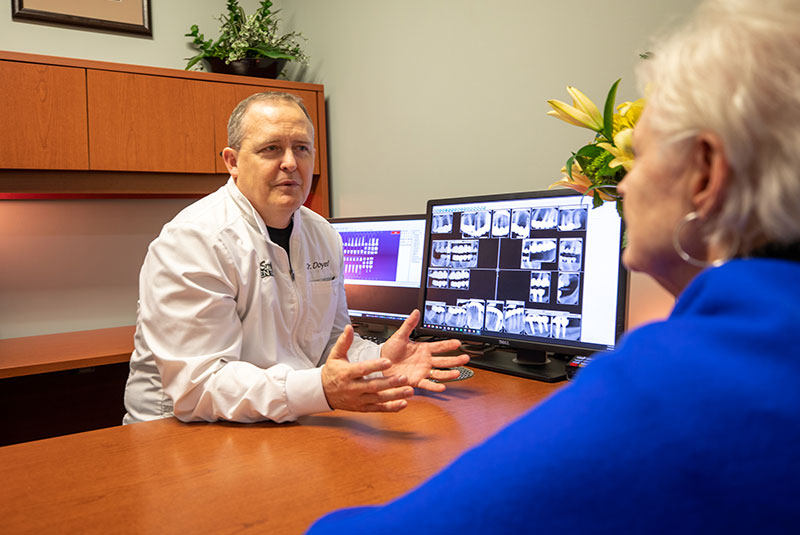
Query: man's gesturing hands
x=404 y=363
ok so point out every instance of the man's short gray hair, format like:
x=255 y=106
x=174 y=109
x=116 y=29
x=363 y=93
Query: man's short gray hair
x=735 y=70
x=236 y=121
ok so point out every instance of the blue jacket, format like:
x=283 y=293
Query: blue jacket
x=691 y=425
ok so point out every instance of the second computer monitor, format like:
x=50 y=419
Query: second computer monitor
x=382 y=266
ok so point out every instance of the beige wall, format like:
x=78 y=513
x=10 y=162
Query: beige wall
x=426 y=98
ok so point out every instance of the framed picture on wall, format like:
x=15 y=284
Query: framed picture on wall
x=127 y=16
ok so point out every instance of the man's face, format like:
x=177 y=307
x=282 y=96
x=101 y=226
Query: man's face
x=274 y=165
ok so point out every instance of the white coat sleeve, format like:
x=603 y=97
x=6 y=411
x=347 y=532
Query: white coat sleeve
x=188 y=316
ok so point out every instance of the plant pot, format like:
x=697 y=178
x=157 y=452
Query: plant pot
x=262 y=67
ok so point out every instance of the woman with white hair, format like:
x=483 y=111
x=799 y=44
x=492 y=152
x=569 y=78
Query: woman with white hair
x=691 y=424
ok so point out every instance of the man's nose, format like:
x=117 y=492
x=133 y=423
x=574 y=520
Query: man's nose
x=288 y=163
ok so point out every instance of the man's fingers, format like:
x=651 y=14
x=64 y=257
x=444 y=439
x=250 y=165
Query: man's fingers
x=450 y=362
x=408 y=325
x=342 y=344
x=430 y=386
x=367 y=367
x=444 y=346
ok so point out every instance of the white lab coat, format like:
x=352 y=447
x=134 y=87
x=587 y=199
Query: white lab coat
x=227 y=328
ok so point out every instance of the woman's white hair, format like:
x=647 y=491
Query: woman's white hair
x=735 y=70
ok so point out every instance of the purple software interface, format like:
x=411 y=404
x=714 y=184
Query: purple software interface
x=382 y=266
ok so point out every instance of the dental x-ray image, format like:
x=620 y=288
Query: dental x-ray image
x=520 y=223
x=537 y=323
x=494 y=316
x=570 y=251
x=459 y=279
x=544 y=218
x=440 y=253
x=455 y=316
x=565 y=327
x=536 y=252
x=476 y=224
x=442 y=224
x=572 y=219
x=514 y=317
x=475 y=311
x=435 y=312
x=501 y=223
x=540 y=287
x=437 y=278
x=463 y=253
x=568 y=288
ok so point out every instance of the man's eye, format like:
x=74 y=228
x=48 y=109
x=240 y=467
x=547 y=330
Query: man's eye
x=303 y=148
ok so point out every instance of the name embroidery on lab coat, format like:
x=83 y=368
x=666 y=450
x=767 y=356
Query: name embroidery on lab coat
x=266 y=269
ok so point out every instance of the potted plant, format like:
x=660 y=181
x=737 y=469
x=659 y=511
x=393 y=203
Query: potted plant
x=249 y=45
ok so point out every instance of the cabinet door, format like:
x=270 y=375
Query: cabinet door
x=140 y=122
x=43 y=110
x=227 y=96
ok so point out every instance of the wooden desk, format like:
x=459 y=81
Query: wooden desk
x=65 y=351
x=169 y=477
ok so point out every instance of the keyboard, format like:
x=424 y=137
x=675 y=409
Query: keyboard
x=375 y=339
x=463 y=373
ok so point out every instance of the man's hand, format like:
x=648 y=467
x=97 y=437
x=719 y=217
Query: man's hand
x=416 y=361
x=346 y=388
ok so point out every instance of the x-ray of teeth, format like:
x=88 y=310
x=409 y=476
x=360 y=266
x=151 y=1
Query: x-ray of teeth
x=459 y=279
x=440 y=254
x=435 y=312
x=573 y=328
x=437 y=278
x=536 y=323
x=494 y=316
x=442 y=224
x=544 y=218
x=540 y=287
x=520 y=223
x=572 y=219
x=475 y=311
x=535 y=252
x=455 y=316
x=501 y=223
x=475 y=224
x=566 y=327
x=570 y=252
x=568 y=286
x=464 y=254
x=514 y=317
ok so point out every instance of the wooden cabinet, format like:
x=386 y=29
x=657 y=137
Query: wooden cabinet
x=43 y=110
x=149 y=123
x=88 y=127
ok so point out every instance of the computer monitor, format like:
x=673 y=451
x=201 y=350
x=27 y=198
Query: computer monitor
x=382 y=266
x=536 y=273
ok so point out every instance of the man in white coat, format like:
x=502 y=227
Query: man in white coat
x=242 y=310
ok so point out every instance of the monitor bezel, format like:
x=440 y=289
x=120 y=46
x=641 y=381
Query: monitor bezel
x=560 y=348
x=380 y=321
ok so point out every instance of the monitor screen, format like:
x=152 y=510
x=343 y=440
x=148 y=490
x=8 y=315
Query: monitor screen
x=382 y=266
x=538 y=273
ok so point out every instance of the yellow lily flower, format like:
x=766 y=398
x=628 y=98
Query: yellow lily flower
x=582 y=113
x=579 y=182
x=627 y=115
x=622 y=149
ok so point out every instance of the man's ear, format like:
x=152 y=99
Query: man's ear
x=231 y=157
x=712 y=177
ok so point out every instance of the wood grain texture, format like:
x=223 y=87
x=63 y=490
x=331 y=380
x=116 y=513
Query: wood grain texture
x=170 y=477
x=29 y=355
x=44 y=117
x=149 y=123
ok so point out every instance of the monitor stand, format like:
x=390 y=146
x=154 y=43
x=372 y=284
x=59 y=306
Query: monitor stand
x=522 y=363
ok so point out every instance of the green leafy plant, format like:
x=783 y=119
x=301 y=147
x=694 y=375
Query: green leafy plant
x=242 y=36
x=596 y=168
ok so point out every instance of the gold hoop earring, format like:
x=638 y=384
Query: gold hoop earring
x=685 y=256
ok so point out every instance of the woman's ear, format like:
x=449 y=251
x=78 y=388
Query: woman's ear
x=713 y=174
x=230 y=157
